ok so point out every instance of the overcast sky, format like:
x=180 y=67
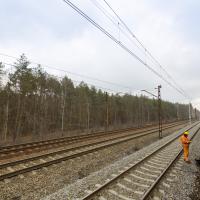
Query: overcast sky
x=51 y=33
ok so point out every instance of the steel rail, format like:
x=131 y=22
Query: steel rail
x=89 y=196
x=153 y=186
x=74 y=137
x=128 y=138
x=82 y=136
x=55 y=161
x=73 y=140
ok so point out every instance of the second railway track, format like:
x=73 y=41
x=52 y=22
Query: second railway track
x=28 y=148
x=21 y=166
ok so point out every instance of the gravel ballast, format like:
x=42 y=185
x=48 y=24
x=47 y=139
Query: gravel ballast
x=80 y=187
x=187 y=184
x=41 y=183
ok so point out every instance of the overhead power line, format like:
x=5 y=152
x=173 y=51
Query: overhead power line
x=115 y=23
x=145 y=49
x=121 y=45
x=73 y=73
x=76 y=81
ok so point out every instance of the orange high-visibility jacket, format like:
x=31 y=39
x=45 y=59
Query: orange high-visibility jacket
x=185 y=141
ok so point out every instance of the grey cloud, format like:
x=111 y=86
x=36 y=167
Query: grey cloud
x=52 y=33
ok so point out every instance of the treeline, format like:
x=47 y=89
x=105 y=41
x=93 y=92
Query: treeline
x=33 y=102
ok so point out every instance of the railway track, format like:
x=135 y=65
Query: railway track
x=21 y=166
x=28 y=148
x=142 y=177
x=63 y=139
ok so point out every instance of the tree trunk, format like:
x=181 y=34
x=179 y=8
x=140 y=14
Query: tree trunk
x=17 y=118
x=6 y=120
x=63 y=114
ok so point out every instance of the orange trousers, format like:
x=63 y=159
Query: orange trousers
x=186 y=152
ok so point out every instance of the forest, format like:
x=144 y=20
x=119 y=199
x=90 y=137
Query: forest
x=36 y=103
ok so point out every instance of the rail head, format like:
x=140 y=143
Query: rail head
x=35 y=167
x=125 y=139
x=109 y=182
x=153 y=186
x=81 y=136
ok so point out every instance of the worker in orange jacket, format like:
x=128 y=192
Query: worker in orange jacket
x=185 y=142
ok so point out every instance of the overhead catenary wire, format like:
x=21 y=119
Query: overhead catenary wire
x=104 y=11
x=78 y=10
x=73 y=73
x=87 y=76
x=145 y=49
x=116 y=24
x=142 y=48
x=62 y=70
x=79 y=82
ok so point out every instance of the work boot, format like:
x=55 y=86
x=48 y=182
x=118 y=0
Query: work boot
x=197 y=162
